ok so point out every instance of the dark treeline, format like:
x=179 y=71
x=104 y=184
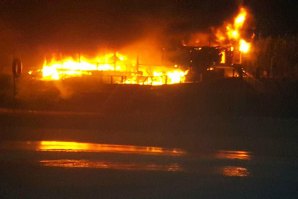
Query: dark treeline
x=276 y=58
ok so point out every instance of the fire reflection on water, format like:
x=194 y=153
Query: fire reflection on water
x=67 y=163
x=233 y=171
x=233 y=155
x=130 y=157
x=60 y=146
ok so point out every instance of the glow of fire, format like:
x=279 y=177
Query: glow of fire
x=115 y=64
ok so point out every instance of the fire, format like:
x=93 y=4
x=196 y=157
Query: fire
x=232 y=33
x=240 y=19
x=118 y=67
x=244 y=46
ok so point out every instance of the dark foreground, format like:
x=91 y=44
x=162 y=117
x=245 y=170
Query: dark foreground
x=218 y=141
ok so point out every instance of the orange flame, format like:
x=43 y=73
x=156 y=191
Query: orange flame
x=232 y=32
x=114 y=65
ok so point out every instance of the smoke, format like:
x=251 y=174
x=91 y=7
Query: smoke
x=82 y=26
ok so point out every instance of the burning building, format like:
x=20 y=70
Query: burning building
x=224 y=51
x=189 y=62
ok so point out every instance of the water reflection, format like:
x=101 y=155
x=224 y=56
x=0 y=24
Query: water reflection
x=234 y=171
x=107 y=148
x=65 y=154
x=237 y=155
x=125 y=157
x=66 y=163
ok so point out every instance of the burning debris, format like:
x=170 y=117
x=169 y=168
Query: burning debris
x=114 y=68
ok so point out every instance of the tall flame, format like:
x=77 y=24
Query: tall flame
x=233 y=32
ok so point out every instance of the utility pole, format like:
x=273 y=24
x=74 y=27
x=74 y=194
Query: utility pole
x=17 y=68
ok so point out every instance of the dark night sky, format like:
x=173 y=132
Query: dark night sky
x=112 y=22
x=275 y=17
x=78 y=24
